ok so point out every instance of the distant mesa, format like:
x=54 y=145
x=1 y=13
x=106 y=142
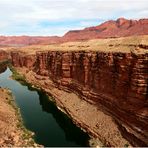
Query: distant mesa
x=119 y=28
x=110 y=29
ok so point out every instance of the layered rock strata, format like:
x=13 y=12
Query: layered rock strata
x=118 y=81
x=3 y=67
x=3 y=55
x=101 y=127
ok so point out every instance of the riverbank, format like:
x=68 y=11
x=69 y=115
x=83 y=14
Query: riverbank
x=12 y=131
x=100 y=126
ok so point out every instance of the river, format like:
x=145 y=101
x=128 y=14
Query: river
x=51 y=126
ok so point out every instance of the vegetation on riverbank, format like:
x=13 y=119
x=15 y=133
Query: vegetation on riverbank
x=4 y=62
x=50 y=105
x=16 y=75
x=20 y=78
x=12 y=133
x=27 y=135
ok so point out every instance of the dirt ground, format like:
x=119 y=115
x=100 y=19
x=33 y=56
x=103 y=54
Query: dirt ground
x=12 y=132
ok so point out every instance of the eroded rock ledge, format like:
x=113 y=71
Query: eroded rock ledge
x=3 y=55
x=115 y=82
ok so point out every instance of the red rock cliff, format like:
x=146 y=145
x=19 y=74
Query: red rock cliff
x=3 y=55
x=3 y=67
x=116 y=80
x=114 y=76
x=20 y=59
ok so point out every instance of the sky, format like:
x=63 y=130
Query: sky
x=56 y=17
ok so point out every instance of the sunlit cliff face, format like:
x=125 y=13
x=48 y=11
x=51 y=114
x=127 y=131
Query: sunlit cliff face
x=115 y=78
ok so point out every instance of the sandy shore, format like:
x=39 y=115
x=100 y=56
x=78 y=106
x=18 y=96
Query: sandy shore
x=12 y=132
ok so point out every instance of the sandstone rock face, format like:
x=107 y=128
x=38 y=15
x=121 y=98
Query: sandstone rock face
x=117 y=81
x=41 y=63
x=3 y=55
x=20 y=60
x=3 y=67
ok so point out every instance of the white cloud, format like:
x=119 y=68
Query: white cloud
x=23 y=16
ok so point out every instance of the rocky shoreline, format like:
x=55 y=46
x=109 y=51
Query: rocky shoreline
x=101 y=127
x=12 y=131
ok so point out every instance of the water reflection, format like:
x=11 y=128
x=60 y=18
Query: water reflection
x=51 y=126
x=71 y=131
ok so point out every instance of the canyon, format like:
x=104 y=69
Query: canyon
x=101 y=84
x=109 y=74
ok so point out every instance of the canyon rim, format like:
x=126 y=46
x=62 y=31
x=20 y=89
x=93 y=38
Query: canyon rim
x=96 y=76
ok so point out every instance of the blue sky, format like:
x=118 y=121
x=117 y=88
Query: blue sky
x=56 y=17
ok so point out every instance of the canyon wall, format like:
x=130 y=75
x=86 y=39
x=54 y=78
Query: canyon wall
x=19 y=60
x=117 y=81
x=3 y=67
x=3 y=55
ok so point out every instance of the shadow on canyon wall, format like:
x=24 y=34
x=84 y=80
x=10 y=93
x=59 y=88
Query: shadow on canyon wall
x=3 y=67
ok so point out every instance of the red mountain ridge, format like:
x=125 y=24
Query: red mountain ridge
x=110 y=29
